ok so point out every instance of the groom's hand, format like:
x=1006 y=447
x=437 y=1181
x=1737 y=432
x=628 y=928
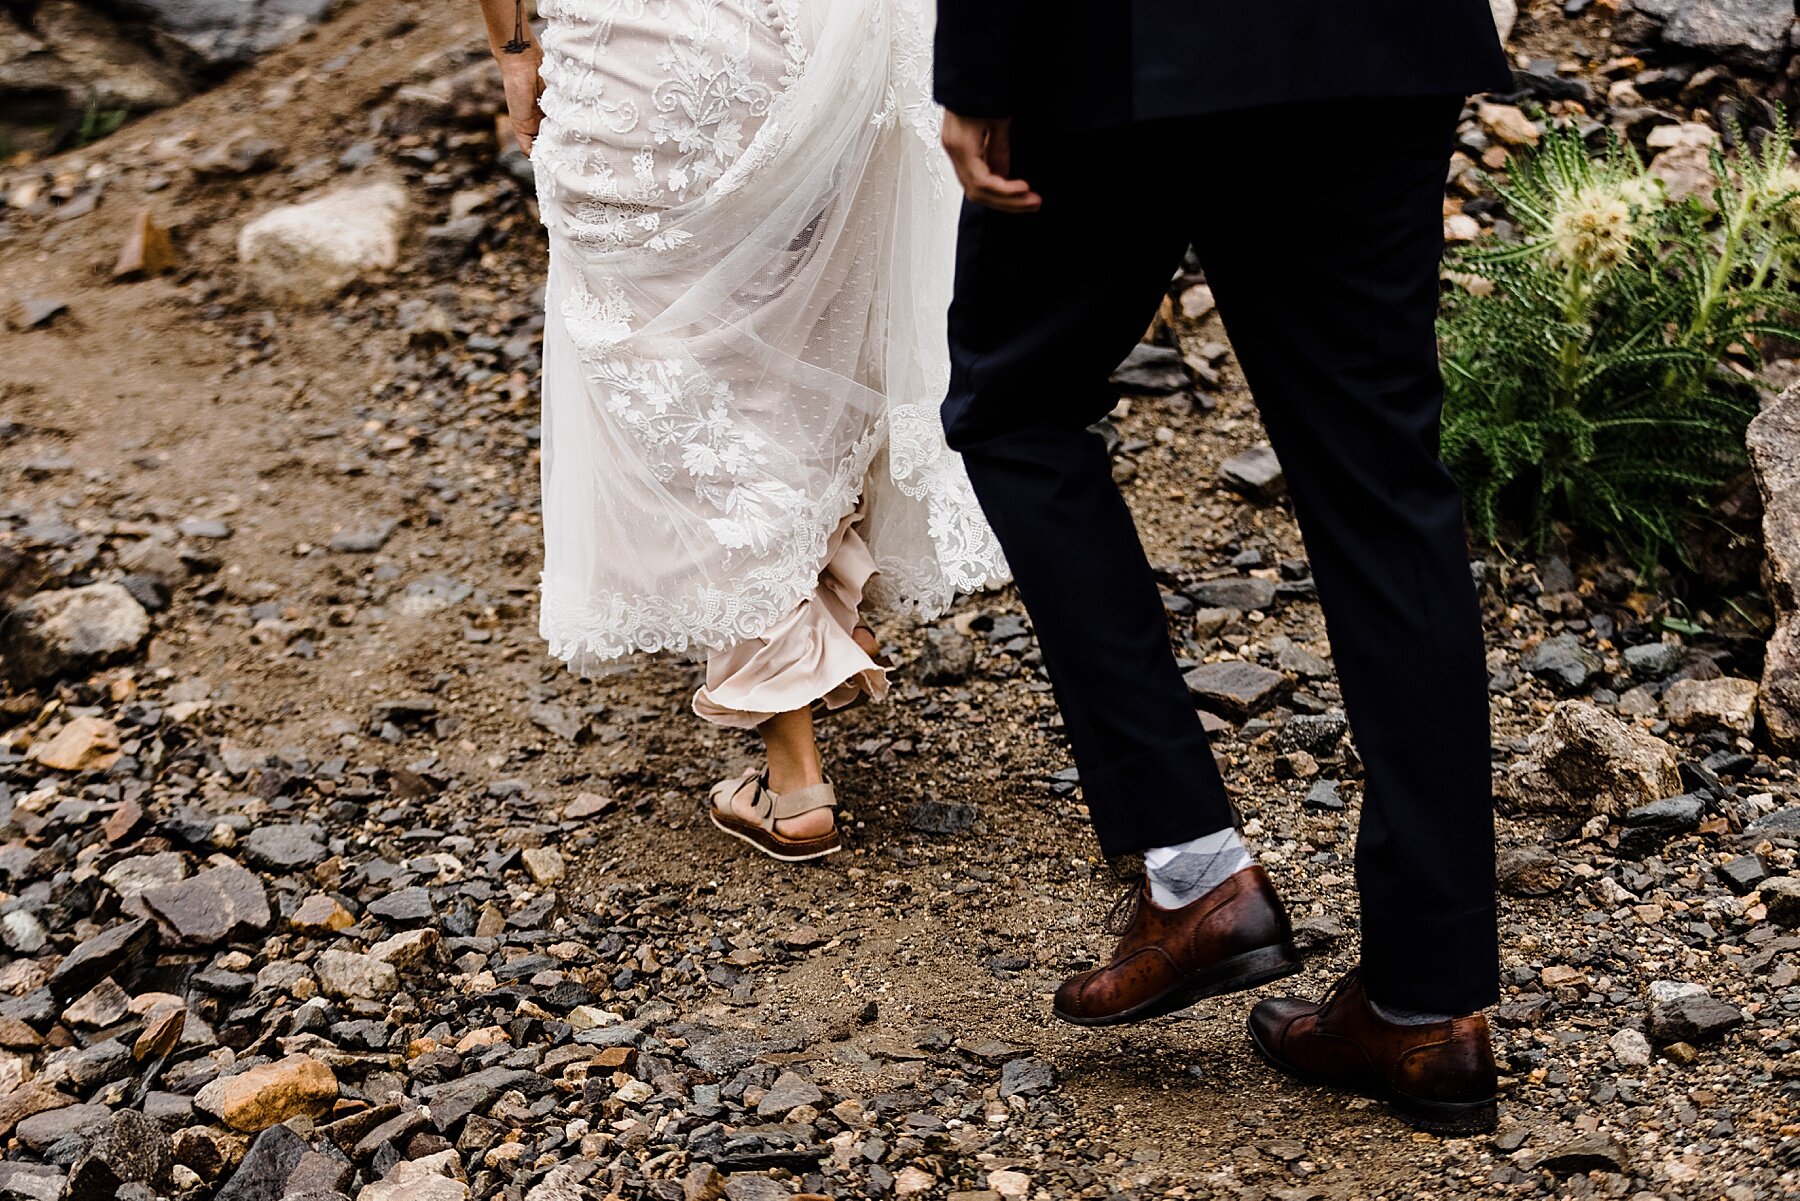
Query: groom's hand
x=980 y=149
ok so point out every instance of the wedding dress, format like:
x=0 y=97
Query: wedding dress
x=751 y=233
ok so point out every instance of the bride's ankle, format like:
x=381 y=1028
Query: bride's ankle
x=790 y=775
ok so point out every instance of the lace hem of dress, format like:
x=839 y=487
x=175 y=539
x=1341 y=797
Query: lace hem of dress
x=589 y=629
x=609 y=625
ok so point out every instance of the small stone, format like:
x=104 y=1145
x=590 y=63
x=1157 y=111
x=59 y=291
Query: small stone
x=363 y=541
x=940 y=817
x=1313 y=935
x=256 y=1099
x=34 y=312
x=1151 y=370
x=101 y=1006
x=406 y=948
x=1508 y=124
x=1724 y=703
x=1781 y=896
x=948 y=657
x=209 y=528
x=1653 y=660
x=1584 y=760
x=561 y=721
x=586 y=805
x=1582 y=1153
x=321 y=914
x=241 y=153
x=1682 y=1054
x=94 y=959
x=45 y=1128
x=405 y=906
x=911 y=1181
x=1026 y=1078
x=348 y=975
x=1530 y=872
x=71 y=631
x=83 y=744
x=24 y=932
x=418 y=1180
x=1246 y=593
x=742 y=1187
x=1648 y=827
x=1630 y=1048
x=311 y=251
x=1743 y=874
x=162 y=1030
x=28 y=1101
x=1235 y=689
x=1563 y=663
x=146 y=251
x=286 y=848
x=790 y=1091
x=703 y=1182
x=220 y=904
x=1684 y=1012
x=1323 y=797
x=31 y=1182
x=131 y=1150
x=1254 y=473
x=544 y=865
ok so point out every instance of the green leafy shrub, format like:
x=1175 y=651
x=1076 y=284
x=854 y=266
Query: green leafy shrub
x=1600 y=369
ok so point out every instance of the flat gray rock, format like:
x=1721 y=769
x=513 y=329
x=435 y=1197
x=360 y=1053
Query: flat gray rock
x=1236 y=689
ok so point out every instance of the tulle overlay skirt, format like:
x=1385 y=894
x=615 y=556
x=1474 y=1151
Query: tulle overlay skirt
x=750 y=257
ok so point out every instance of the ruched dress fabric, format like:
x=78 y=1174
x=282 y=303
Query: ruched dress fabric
x=751 y=240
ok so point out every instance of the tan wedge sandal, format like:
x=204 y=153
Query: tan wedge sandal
x=771 y=807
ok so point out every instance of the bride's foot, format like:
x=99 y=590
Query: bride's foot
x=785 y=810
x=793 y=825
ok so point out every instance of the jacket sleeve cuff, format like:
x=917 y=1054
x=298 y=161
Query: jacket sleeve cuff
x=975 y=71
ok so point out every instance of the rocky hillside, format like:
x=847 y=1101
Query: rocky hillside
x=318 y=881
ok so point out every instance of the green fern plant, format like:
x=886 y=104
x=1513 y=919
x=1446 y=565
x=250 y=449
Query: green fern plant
x=96 y=123
x=1600 y=369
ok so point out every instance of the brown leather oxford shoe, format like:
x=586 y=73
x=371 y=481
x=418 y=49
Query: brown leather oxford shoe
x=1235 y=937
x=1439 y=1077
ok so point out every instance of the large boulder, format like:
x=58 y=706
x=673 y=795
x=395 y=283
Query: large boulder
x=70 y=631
x=1774 y=442
x=1746 y=33
x=1584 y=760
x=313 y=250
x=60 y=60
x=228 y=33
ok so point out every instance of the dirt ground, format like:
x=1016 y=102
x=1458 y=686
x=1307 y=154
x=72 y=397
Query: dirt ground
x=178 y=398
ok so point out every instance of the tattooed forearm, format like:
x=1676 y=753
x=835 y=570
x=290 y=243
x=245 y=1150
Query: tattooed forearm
x=519 y=43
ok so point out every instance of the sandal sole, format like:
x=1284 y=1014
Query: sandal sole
x=775 y=850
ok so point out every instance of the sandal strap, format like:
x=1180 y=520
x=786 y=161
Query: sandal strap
x=771 y=806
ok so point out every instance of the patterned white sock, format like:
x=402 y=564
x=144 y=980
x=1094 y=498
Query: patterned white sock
x=1409 y=1017
x=1180 y=875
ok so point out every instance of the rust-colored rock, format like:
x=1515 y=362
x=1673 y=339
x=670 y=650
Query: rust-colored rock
x=147 y=250
x=84 y=744
x=274 y=1092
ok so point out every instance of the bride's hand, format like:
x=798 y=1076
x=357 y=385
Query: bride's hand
x=521 y=72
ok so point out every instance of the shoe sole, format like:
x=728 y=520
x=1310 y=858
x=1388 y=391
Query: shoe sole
x=1434 y=1117
x=771 y=851
x=1252 y=969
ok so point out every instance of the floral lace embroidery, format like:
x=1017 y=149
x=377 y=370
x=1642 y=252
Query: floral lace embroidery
x=713 y=121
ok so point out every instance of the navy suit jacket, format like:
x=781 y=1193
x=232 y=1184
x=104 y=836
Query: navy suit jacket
x=1112 y=62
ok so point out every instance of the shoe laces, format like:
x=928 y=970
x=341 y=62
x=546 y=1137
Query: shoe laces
x=1123 y=914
